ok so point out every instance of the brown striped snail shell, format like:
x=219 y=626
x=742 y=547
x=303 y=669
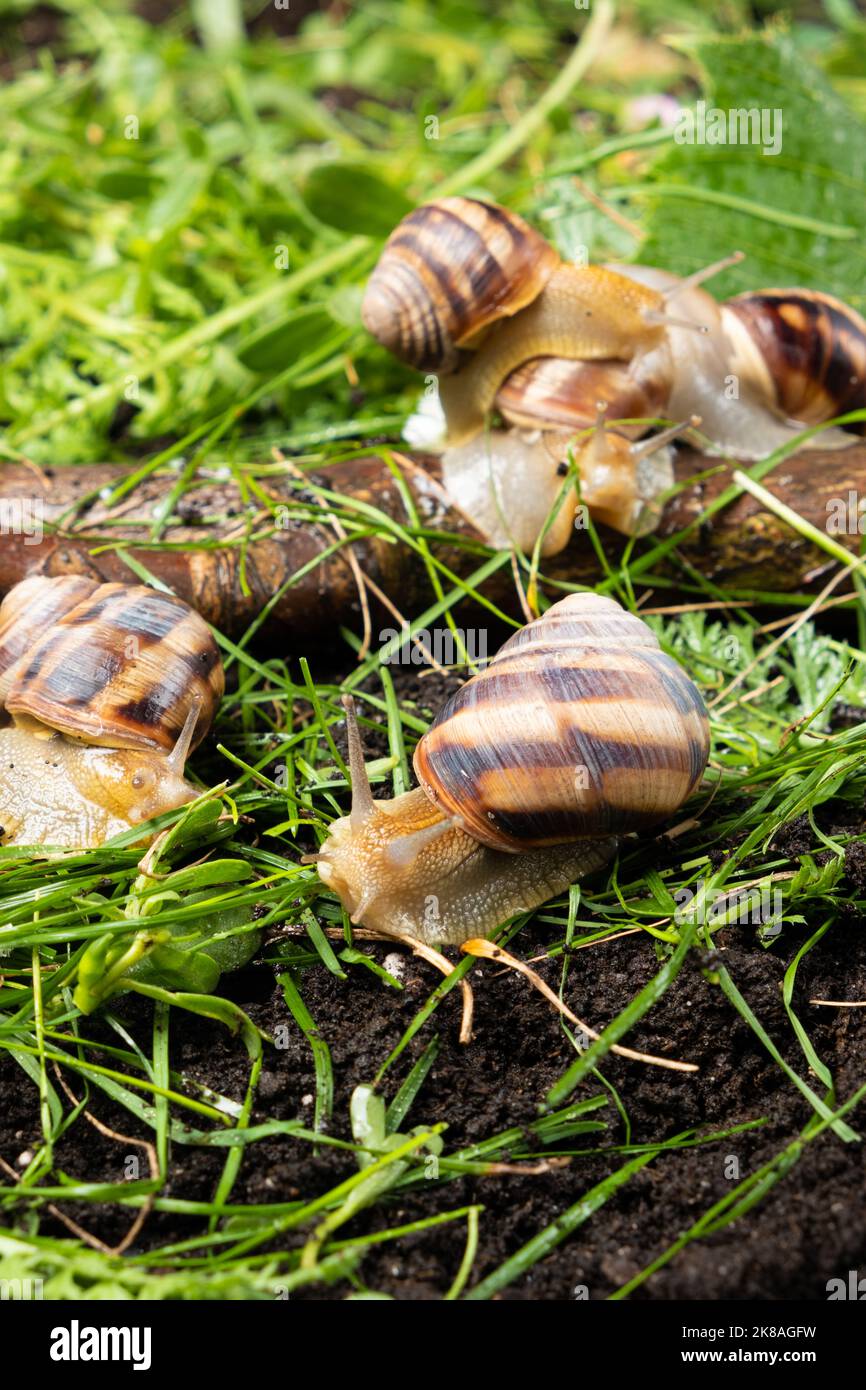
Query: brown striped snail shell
x=108 y=687
x=813 y=348
x=584 y=687
x=580 y=731
x=555 y=393
x=451 y=268
x=28 y=610
x=122 y=668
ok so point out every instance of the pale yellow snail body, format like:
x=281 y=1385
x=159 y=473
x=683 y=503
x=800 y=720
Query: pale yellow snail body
x=104 y=689
x=579 y=731
x=625 y=343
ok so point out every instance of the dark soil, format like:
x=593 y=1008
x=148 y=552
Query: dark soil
x=808 y=1230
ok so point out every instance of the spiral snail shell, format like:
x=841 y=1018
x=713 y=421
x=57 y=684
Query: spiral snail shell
x=105 y=689
x=448 y=270
x=579 y=731
x=28 y=610
x=555 y=393
x=813 y=351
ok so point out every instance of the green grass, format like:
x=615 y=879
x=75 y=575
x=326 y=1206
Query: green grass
x=199 y=285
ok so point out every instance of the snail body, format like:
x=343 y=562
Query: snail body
x=580 y=730
x=104 y=689
x=510 y=483
x=573 y=317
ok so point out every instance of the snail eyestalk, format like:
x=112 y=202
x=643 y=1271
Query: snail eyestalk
x=645 y=447
x=707 y=272
x=363 y=806
x=621 y=482
x=176 y=760
x=658 y=316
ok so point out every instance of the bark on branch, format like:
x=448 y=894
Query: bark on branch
x=742 y=546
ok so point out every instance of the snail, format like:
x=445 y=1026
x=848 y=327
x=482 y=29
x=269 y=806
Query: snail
x=621 y=477
x=753 y=371
x=104 y=691
x=579 y=731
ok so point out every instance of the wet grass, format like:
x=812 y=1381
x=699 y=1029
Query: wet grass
x=184 y=235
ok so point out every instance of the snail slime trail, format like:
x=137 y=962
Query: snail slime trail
x=579 y=731
x=104 y=691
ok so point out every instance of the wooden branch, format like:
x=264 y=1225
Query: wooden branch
x=743 y=545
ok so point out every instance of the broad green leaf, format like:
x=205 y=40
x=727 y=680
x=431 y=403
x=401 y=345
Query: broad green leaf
x=707 y=200
x=353 y=199
x=277 y=345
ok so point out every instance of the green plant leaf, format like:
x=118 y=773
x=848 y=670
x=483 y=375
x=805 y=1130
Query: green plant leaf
x=219 y=22
x=707 y=200
x=278 y=344
x=353 y=199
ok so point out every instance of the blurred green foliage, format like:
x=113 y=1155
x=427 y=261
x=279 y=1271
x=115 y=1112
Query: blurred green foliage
x=171 y=196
